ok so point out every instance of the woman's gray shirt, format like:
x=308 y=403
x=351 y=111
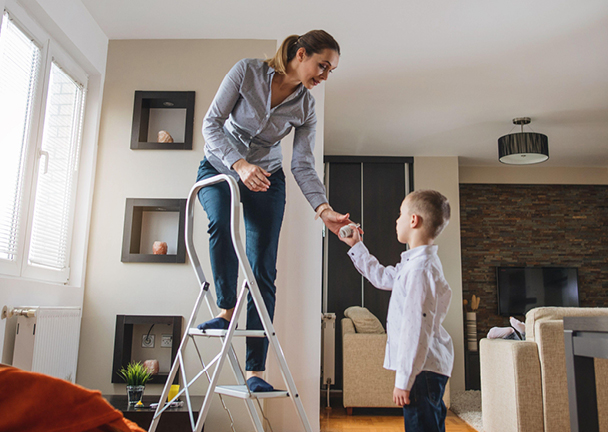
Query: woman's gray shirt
x=241 y=125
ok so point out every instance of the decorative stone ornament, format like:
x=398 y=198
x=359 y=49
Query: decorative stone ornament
x=152 y=366
x=159 y=248
x=164 y=137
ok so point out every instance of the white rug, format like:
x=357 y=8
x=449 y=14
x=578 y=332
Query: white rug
x=467 y=406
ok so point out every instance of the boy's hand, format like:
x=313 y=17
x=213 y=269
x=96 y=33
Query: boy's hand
x=401 y=397
x=354 y=239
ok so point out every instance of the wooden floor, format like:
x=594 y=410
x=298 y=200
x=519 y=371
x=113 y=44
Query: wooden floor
x=377 y=420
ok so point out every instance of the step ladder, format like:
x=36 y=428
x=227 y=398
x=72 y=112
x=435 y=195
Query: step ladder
x=227 y=352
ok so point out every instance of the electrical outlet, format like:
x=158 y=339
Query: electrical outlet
x=166 y=341
x=147 y=341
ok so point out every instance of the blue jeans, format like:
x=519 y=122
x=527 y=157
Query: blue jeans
x=263 y=214
x=426 y=411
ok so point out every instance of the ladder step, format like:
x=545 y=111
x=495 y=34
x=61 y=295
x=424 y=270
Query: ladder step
x=242 y=392
x=221 y=333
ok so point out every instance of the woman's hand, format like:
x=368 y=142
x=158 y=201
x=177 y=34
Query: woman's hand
x=334 y=220
x=252 y=176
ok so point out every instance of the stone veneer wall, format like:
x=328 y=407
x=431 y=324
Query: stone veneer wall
x=532 y=225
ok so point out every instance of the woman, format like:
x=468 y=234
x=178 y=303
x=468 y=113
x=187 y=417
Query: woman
x=256 y=106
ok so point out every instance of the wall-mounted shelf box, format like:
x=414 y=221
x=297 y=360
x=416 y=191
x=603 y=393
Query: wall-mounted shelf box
x=149 y=220
x=127 y=344
x=172 y=111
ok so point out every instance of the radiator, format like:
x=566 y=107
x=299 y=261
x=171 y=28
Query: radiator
x=46 y=340
x=328 y=354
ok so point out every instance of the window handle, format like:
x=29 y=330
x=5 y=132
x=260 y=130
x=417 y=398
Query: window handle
x=46 y=159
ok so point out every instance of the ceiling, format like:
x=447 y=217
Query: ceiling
x=424 y=78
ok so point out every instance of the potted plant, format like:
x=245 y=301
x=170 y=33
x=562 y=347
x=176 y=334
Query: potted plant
x=136 y=375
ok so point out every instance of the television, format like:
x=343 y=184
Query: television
x=523 y=288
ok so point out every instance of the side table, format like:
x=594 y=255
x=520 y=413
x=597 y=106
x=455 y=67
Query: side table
x=585 y=338
x=172 y=420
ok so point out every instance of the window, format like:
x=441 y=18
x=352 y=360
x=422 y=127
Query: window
x=55 y=179
x=19 y=66
x=41 y=112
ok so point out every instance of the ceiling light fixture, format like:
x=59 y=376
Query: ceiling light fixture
x=523 y=148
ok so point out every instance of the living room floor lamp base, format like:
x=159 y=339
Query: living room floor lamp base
x=523 y=148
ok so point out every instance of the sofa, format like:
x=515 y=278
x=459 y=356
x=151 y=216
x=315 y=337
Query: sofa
x=365 y=383
x=524 y=386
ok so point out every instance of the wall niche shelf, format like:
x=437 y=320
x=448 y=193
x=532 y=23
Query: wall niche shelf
x=150 y=220
x=130 y=329
x=171 y=111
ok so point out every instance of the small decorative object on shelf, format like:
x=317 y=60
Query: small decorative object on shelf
x=136 y=375
x=471 y=323
x=164 y=137
x=173 y=391
x=152 y=366
x=159 y=248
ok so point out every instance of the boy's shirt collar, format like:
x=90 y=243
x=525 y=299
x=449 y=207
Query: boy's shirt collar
x=419 y=251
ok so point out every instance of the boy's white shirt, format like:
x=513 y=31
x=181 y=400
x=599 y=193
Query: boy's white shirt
x=419 y=302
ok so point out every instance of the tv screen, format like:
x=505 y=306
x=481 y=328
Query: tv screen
x=523 y=288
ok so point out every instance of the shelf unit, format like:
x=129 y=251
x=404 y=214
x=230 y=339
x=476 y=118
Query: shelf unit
x=136 y=212
x=126 y=327
x=163 y=110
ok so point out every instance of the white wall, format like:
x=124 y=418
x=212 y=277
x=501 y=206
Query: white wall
x=299 y=293
x=68 y=23
x=441 y=174
x=71 y=24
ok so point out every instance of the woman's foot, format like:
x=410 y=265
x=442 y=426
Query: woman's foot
x=220 y=322
x=257 y=384
x=214 y=324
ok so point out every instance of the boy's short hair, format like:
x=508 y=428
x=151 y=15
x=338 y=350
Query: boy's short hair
x=433 y=207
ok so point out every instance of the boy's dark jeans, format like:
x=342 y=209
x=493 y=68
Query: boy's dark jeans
x=426 y=411
x=263 y=214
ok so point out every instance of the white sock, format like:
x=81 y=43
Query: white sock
x=499 y=332
x=518 y=325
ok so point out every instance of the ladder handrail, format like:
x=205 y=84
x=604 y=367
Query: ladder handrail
x=235 y=198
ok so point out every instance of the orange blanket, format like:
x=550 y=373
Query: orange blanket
x=35 y=402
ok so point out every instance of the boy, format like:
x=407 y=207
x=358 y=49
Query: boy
x=418 y=348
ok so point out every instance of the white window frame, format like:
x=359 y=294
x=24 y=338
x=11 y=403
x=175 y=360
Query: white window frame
x=50 y=51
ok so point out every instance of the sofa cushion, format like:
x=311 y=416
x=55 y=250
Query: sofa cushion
x=364 y=320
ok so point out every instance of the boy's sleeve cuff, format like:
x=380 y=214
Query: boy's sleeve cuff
x=357 y=249
x=404 y=381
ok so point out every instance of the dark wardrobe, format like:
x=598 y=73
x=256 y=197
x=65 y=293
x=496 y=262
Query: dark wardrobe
x=371 y=190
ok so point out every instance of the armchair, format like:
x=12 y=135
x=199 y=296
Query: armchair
x=523 y=383
x=365 y=382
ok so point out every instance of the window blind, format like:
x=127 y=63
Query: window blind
x=19 y=66
x=57 y=168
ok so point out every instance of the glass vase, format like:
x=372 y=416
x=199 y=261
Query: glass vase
x=135 y=393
